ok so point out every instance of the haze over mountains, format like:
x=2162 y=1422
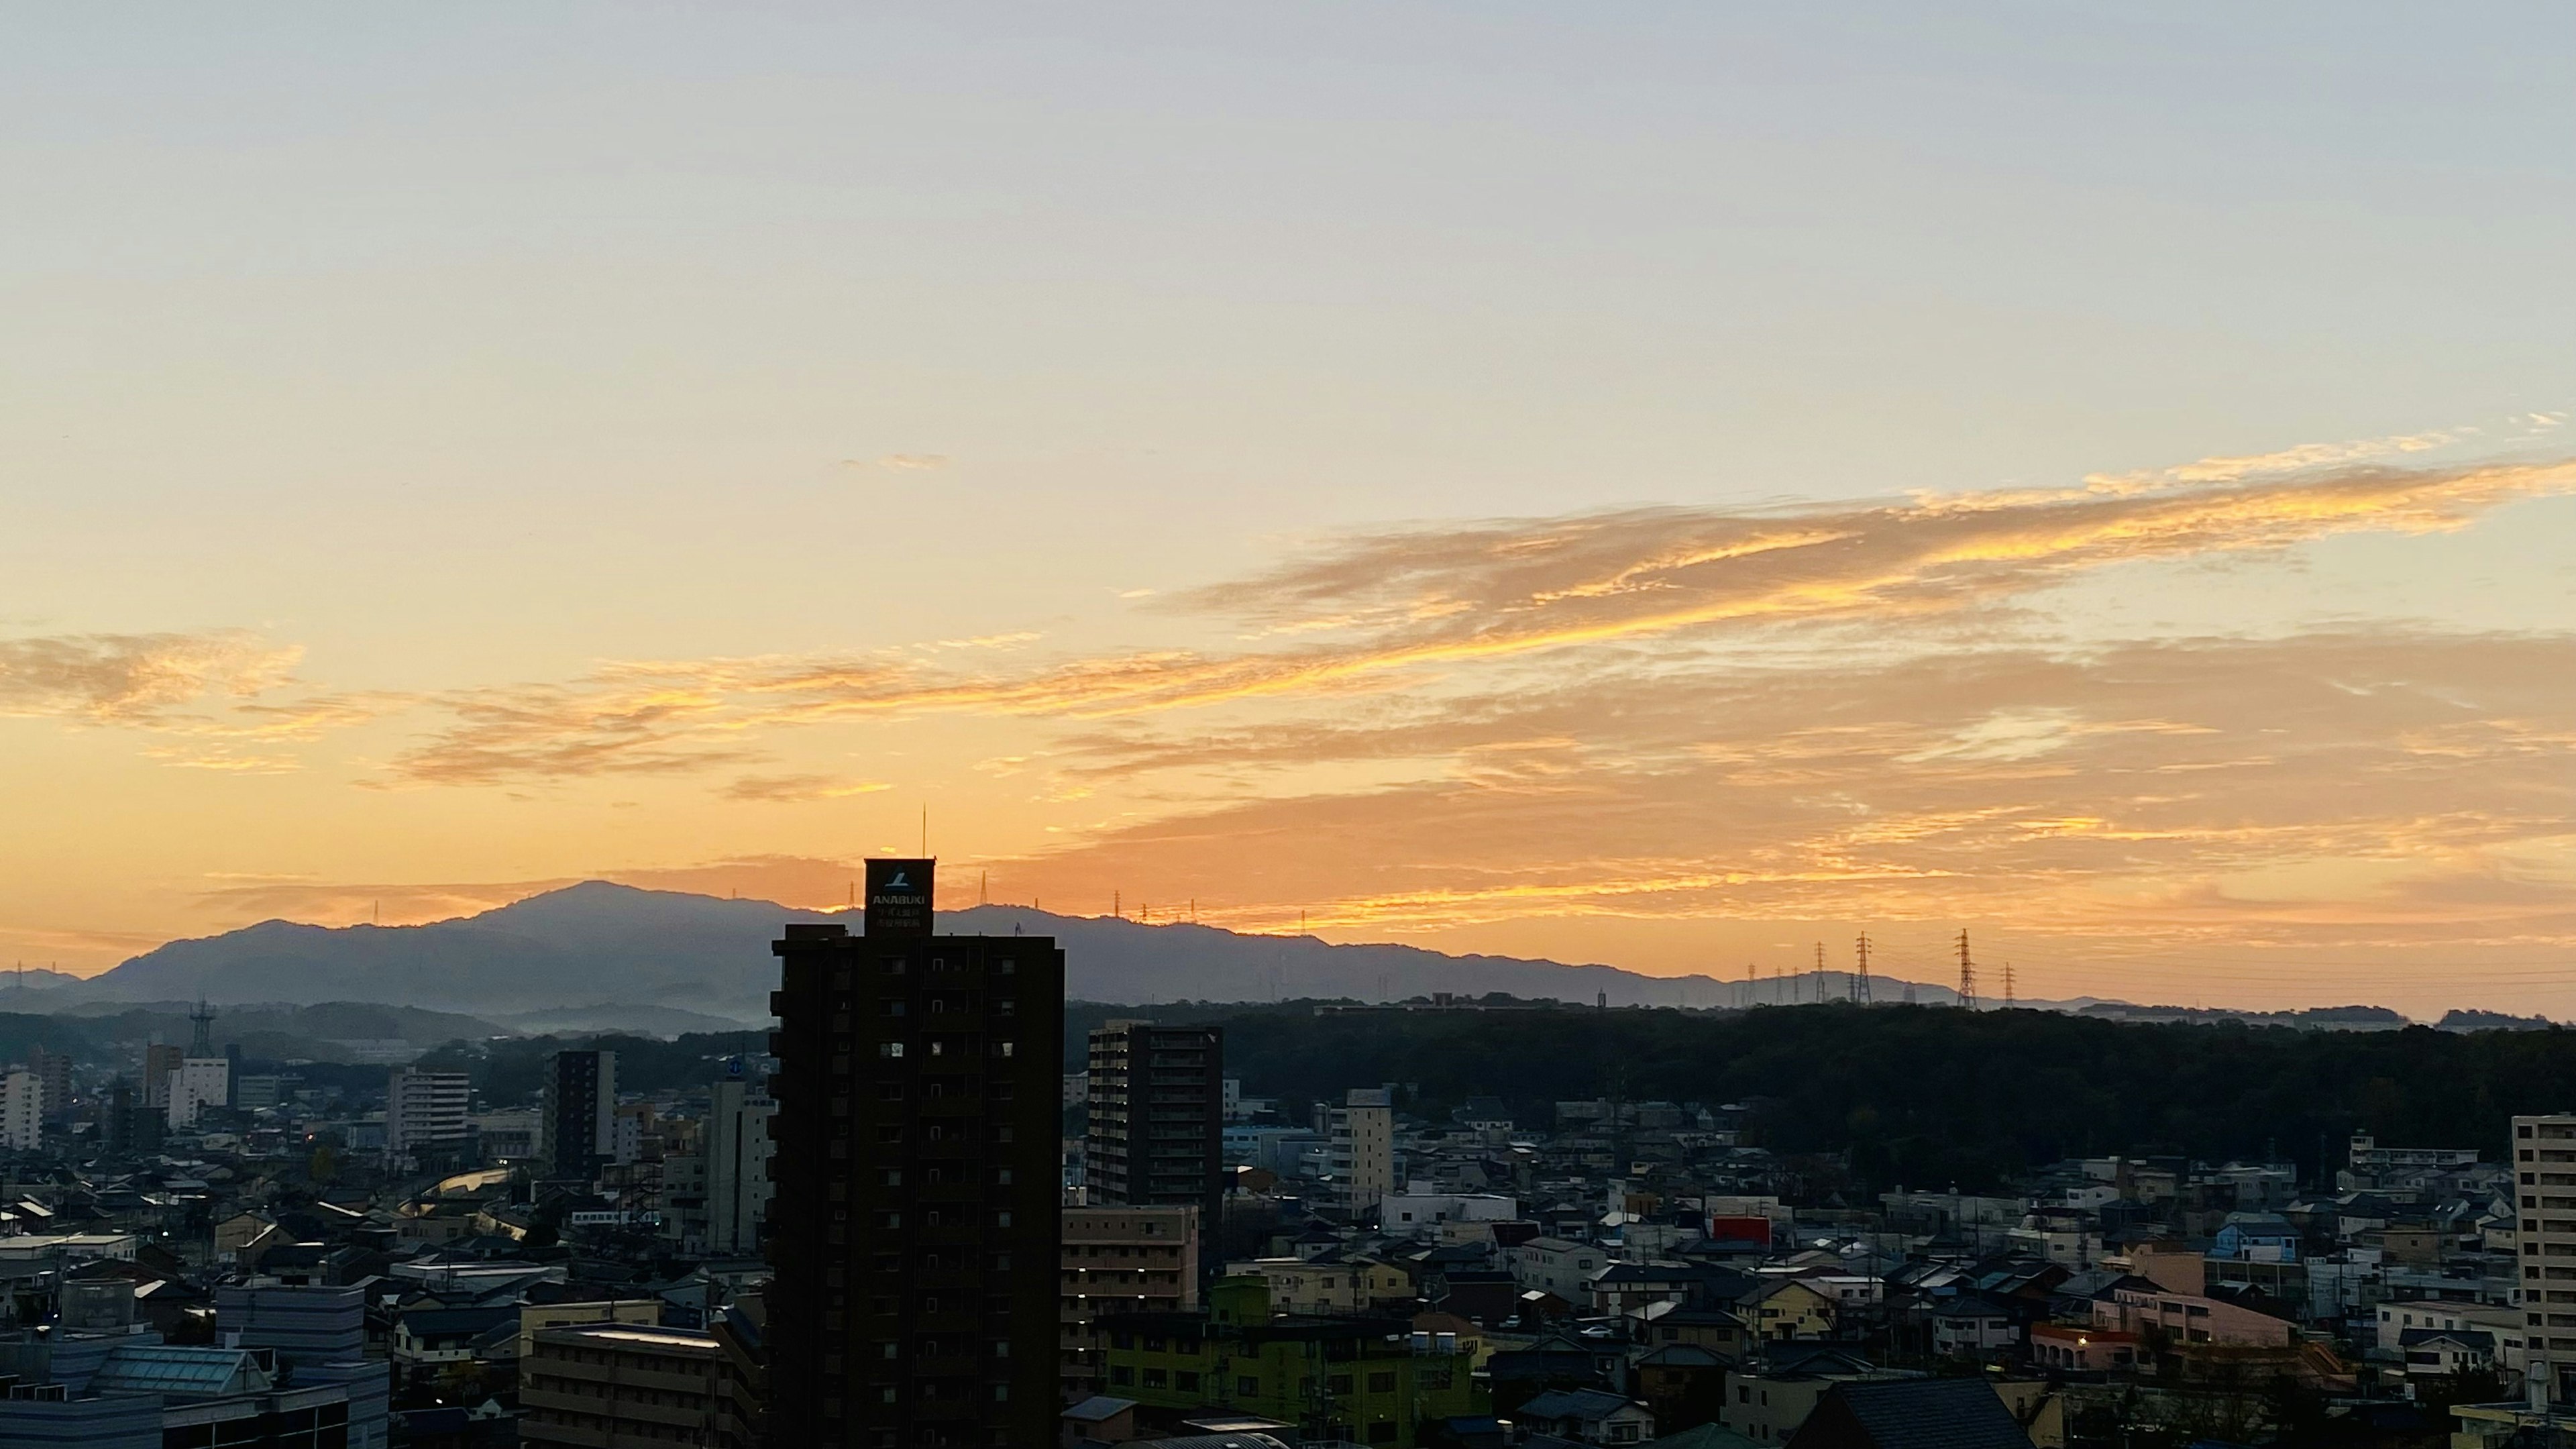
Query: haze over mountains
x=598 y=956
x=565 y=957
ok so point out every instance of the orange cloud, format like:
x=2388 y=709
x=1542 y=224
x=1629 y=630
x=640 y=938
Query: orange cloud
x=1401 y=605
x=135 y=678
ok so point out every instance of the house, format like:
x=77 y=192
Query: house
x=1912 y=1414
x=2442 y=1353
x=1554 y=1361
x=429 y=1337
x=2082 y=1348
x=1681 y=1382
x=1587 y=1416
x=2256 y=1238
x=1628 y=1287
x=1328 y=1285
x=1099 y=1419
x=1558 y=1266
x=1971 y=1326
x=1769 y=1401
x=1714 y=1329
x=1785 y=1308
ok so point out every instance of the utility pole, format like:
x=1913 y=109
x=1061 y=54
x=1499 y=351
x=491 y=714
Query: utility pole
x=1860 y=982
x=1967 y=975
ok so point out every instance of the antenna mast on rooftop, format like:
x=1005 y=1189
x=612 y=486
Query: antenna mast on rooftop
x=201 y=1030
x=1967 y=975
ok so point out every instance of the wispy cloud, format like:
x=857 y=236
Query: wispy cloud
x=2145 y=796
x=135 y=678
x=1379 y=611
x=798 y=789
x=204 y=688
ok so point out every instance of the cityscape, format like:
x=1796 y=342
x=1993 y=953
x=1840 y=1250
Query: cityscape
x=941 y=1204
x=1417 y=725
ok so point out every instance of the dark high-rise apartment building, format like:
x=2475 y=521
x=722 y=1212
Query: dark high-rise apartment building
x=577 y=1118
x=1157 y=1134
x=914 y=1225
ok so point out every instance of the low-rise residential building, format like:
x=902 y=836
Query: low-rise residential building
x=1119 y=1260
x=1361 y=1379
x=1555 y=1265
x=611 y=1385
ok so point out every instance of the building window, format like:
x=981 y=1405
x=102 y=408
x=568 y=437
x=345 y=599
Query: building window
x=889 y=1048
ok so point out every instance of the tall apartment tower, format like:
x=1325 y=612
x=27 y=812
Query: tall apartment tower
x=735 y=1145
x=22 y=1110
x=1157 y=1134
x=160 y=1069
x=914 y=1225
x=1362 y=1153
x=54 y=1070
x=425 y=1109
x=577 y=1120
x=2544 y=1188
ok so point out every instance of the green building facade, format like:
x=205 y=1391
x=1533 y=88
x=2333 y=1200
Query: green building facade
x=1369 y=1380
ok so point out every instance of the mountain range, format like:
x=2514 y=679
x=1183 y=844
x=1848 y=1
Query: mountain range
x=598 y=957
x=597 y=954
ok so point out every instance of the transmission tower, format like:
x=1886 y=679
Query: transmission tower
x=1820 y=971
x=1967 y=975
x=2008 y=986
x=1860 y=979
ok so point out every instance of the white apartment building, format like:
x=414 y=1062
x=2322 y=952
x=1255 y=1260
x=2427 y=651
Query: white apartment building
x=1555 y=1265
x=22 y=1110
x=1419 y=1213
x=199 y=1083
x=2503 y=1322
x=1362 y=1155
x=734 y=1139
x=2544 y=1188
x=424 y=1108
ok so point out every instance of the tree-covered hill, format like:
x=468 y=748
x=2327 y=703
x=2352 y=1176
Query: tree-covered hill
x=1927 y=1096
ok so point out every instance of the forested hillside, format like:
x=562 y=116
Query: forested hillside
x=1928 y=1096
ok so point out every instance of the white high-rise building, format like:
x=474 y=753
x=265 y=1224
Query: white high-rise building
x=199 y=1083
x=424 y=1109
x=22 y=1110
x=2544 y=1195
x=1363 y=1148
x=735 y=1140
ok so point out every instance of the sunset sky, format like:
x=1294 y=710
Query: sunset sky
x=1656 y=484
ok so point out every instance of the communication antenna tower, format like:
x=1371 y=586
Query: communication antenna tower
x=1967 y=975
x=201 y=1030
x=1860 y=981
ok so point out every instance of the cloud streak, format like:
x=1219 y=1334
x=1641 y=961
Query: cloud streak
x=135 y=679
x=1381 y=611
x=2345 y=790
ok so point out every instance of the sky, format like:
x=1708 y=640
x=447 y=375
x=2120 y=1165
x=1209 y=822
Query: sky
x=1672 y=485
